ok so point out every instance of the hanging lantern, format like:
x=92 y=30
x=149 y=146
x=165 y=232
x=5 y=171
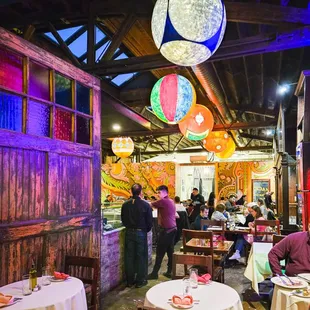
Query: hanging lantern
x=188 y=32
x=122 y=146
x=216 y=141
x=229 y=151
x=198 y=123
x=172 y=97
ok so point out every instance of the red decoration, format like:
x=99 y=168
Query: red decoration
x=216 y=141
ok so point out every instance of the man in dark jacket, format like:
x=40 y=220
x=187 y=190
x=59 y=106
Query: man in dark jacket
x=197 y=201
x=137 y=218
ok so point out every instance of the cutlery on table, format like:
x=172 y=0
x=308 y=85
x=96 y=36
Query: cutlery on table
x=283 y=282
x=284 y=275
x=305 y=279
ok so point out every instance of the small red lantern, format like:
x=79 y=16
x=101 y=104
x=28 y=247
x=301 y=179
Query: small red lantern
x=198 y=123
x=216 y=141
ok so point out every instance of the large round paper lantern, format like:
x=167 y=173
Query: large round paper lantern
x=172 y=97
x=122 y=146
x=188 y=32
x=198 y=123
x=216 y=141
x=229 y=151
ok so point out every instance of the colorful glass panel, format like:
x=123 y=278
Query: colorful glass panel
x=11 y=70
x=39 y=81
x=11 y=112
x=63 y=91
x=38 y=119
x=82 y=99
x=63 y=125
x=82 y=130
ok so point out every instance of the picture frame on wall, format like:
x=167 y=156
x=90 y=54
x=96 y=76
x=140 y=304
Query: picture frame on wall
x=259 y=188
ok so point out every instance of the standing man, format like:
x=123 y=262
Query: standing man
x=137 y=218
x=198 y=200
x=167 y=230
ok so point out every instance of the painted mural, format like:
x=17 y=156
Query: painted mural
x=236 y=177
x=117 y=179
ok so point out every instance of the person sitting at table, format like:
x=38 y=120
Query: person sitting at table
x=196 y=225
x=218 y=213
x=230 y=203
x=242 y=240
x=248 y=215
x=241 y=201
x=211 y=203
x=260 y=203
x=295 y=250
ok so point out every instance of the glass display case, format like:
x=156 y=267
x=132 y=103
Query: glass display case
x=111 y=215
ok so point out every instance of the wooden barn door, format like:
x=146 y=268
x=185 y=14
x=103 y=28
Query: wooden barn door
x=49 y=160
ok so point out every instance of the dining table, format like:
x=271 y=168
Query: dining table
x=222 y=247
x=206 y=296
x=65 y=295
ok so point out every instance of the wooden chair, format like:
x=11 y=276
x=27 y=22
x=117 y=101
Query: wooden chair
x=206 y=238
x=218 y=227
x=276 y=239
x=193 y=260
x=89 y=274
x=266 y=235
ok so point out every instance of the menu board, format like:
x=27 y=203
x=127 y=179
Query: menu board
x=260 y=188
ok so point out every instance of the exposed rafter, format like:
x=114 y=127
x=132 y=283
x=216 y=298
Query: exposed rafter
x=256 y=137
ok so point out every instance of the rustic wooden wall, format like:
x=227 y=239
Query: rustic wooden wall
x=49 y=189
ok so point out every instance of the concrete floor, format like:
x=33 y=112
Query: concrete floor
x=123 y=298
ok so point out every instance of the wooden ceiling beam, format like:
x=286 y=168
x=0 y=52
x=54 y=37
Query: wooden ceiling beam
x=77 y=34
x=260 y=44
x=254 y=110
x=256 y=137
x=176 y=130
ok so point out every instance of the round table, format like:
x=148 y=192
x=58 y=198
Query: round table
x=215 y=296
x=66 y=295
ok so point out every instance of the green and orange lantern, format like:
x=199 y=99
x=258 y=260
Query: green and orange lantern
x=122 y=146
x=172 y=98
x=229 y=151
x=216 y=141
x=198 y=123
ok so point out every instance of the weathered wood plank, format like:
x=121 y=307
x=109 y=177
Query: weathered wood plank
x=6 y=185
x=12 y=192
x=19 y=186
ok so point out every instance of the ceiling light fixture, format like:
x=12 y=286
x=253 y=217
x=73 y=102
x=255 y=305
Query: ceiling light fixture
x=116 y=127
x=283 y=89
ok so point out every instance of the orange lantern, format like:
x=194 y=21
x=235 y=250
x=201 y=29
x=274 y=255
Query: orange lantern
x=216 y=141
x=229 y=151
x=122 y=146
x=198 y=123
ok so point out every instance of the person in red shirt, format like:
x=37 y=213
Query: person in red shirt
x=295 y=249
x=167 y=230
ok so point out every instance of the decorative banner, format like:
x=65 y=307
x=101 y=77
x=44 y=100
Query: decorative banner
x=229 y=151
x=122 y=146
x=172 y=98
x=187 y=33
x=198 y=123
x=216 y=141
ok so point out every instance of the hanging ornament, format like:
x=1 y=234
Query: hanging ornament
x=216 y=141
x=198 y=123
x=172 y=97
x=122 y=146
x=229 y=151
x=188 y=32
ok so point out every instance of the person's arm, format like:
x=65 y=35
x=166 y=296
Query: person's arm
x=279 y=252
x=156 y=204
x=149 y=219
x=123 y=216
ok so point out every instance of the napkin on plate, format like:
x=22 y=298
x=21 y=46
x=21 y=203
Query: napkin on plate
x=185 y=301
x=205 y=278
x=5 y=299
x=60 y=275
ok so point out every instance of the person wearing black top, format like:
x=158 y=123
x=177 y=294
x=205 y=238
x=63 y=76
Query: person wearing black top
x=197 y=200
x=137 y=218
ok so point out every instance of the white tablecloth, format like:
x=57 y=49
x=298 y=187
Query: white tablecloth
x=282 y=299
x=258 y=268
x=67 y=295
x=215 y=296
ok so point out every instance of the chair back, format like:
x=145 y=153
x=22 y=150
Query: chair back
x=217 y=227
x=88 y=274
x=276 y=239
x=198 y=241
x=272 y=228
x=192 y=260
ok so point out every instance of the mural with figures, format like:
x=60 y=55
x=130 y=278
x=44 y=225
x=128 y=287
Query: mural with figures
x=117 y=179
x=237 y=177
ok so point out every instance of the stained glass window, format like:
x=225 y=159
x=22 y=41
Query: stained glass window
x=38 y=119
x=11 y=112
x=38 y=81
x=82 y=99
x=63 y=125
x=63 y=91
x=11 y=70
x=82 y=130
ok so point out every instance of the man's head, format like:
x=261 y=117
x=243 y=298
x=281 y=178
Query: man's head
x=232 y=198
x=195 y=191
x=162 y=191
x=260 y=201
x=203 y=211
x=220 y=208
x=136 y=190
x=177 y=199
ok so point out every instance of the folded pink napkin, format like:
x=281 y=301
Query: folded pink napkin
x=205 y=278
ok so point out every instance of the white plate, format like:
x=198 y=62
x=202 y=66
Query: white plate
x=305 y=275
x=278 y=282
x=182 y=306
x=300 y=294
x=12 y=302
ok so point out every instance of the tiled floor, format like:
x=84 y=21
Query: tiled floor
x=123 y=298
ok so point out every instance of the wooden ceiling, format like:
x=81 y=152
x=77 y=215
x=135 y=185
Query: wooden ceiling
x=265 y=45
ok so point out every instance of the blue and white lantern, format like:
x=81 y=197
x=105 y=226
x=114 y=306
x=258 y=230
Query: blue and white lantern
x=188 y=32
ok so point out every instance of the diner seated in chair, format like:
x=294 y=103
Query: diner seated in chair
x=218 y=214
x=202 y=215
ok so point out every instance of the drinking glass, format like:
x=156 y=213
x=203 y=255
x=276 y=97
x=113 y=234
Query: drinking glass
x=193 y=277
x=46 y=276
x=26 y=288
x=186 y=286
